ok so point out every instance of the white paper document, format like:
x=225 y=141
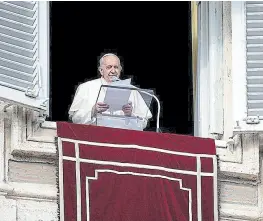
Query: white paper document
x=117 y=97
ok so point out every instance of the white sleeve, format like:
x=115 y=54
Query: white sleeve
x=144 y=122
x=81 y=117
x=80 y=110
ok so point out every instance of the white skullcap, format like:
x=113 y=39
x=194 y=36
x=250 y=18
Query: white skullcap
x=108 y=54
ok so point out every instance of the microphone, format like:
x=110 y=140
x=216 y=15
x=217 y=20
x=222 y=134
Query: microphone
x=115 y=78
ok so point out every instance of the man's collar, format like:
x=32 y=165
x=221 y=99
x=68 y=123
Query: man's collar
x=103 y=81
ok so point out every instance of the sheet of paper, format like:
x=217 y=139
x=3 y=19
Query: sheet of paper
x=125 y=82
x=117 y=97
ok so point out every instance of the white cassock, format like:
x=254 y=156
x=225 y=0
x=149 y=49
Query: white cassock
x=86 y=97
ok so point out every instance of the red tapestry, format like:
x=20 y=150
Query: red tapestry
x=108 y=174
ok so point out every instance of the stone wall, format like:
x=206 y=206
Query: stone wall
x=28 y=178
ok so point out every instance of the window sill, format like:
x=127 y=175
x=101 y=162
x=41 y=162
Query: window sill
x=243 y=127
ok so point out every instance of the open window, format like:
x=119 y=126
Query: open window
x=24 y=54
x=152 y=64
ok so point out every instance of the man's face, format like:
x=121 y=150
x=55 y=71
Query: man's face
x=110 y=67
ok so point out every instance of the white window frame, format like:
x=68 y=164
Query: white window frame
x=44 y=49
x=211 y=97
x=209 y=113
x=239 y=61
x=239 y=73
x=230 y=147
x=40 y=103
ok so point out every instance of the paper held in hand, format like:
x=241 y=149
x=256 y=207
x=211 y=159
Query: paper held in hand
x=117 y=97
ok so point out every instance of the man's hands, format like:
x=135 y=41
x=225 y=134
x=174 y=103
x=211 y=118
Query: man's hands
x=127 y=109
x=101 y=107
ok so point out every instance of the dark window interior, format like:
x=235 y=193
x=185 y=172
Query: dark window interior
x=153 y=40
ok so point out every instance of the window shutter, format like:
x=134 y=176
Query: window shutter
x=254 y=29
x=20 y=66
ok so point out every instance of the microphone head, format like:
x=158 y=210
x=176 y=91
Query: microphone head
x=114 y=78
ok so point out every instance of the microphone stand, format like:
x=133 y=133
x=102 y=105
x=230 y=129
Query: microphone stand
x=158 y=111
x=156 y=99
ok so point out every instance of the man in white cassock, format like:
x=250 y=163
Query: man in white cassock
x=84 y=107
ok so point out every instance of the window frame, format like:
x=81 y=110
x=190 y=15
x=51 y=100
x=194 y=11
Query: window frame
x=242 y=122
x=209 y=110
x=41 y=102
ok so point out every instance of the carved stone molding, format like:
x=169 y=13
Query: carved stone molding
x=241 y=157
x=26 y=138
x=231 y=150
x=25 y=141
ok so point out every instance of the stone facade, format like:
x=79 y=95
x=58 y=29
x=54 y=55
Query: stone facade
x=28 y=178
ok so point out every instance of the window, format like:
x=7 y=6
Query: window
x=247 y=51
x=156 y=57
x=23 y=60
x=24 y=56
x=254 y=55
